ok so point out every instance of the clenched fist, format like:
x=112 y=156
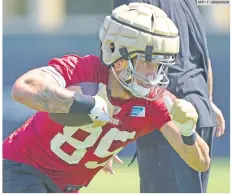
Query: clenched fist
x=103 y=110
x=183 y=114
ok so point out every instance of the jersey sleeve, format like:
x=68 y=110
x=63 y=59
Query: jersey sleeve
x=160 y=114
x=75 y=69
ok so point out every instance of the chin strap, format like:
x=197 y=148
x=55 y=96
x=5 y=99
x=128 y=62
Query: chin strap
x=113 y=70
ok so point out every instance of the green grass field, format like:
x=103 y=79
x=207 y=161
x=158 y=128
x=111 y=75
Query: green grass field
x=126 y=180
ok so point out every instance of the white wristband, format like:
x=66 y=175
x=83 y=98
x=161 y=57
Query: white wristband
x=100 y=110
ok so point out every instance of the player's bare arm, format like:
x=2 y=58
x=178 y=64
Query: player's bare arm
x=219 y=115
x=40 y=91
x=180 y=133
x=196 y=155
x=210 y=80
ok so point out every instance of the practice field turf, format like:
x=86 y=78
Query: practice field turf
x=126 y=180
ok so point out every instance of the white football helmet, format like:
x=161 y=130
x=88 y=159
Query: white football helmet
x=144 y=31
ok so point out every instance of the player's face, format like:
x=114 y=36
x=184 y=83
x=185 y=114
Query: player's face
x=145 y=69
x=142 y=78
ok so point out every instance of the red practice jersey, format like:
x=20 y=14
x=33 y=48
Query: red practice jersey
x=72 y=155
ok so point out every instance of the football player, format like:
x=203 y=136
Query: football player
x=48 y=154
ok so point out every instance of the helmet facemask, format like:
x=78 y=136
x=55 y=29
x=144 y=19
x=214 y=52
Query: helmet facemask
x=151 y=85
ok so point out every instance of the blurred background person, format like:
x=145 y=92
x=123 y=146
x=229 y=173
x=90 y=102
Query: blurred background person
x=56 y=26
x=160 y=168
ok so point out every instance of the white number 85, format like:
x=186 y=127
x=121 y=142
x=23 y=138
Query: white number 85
x=81 y=146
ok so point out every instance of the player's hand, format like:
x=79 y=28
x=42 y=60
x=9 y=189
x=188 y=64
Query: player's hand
x=183 y=114
x=220 y=120
x=108 y=167
x=103 y=110
x=103 y=93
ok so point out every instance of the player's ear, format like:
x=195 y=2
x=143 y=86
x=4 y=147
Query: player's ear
x=120 y=65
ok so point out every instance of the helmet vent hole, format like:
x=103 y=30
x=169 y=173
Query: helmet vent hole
x=112 y=47
x=152 y=22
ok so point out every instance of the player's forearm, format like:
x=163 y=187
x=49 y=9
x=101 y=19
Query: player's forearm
x=196 y=155
x=42 y=97
x=44 y=94
x=210 y=80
